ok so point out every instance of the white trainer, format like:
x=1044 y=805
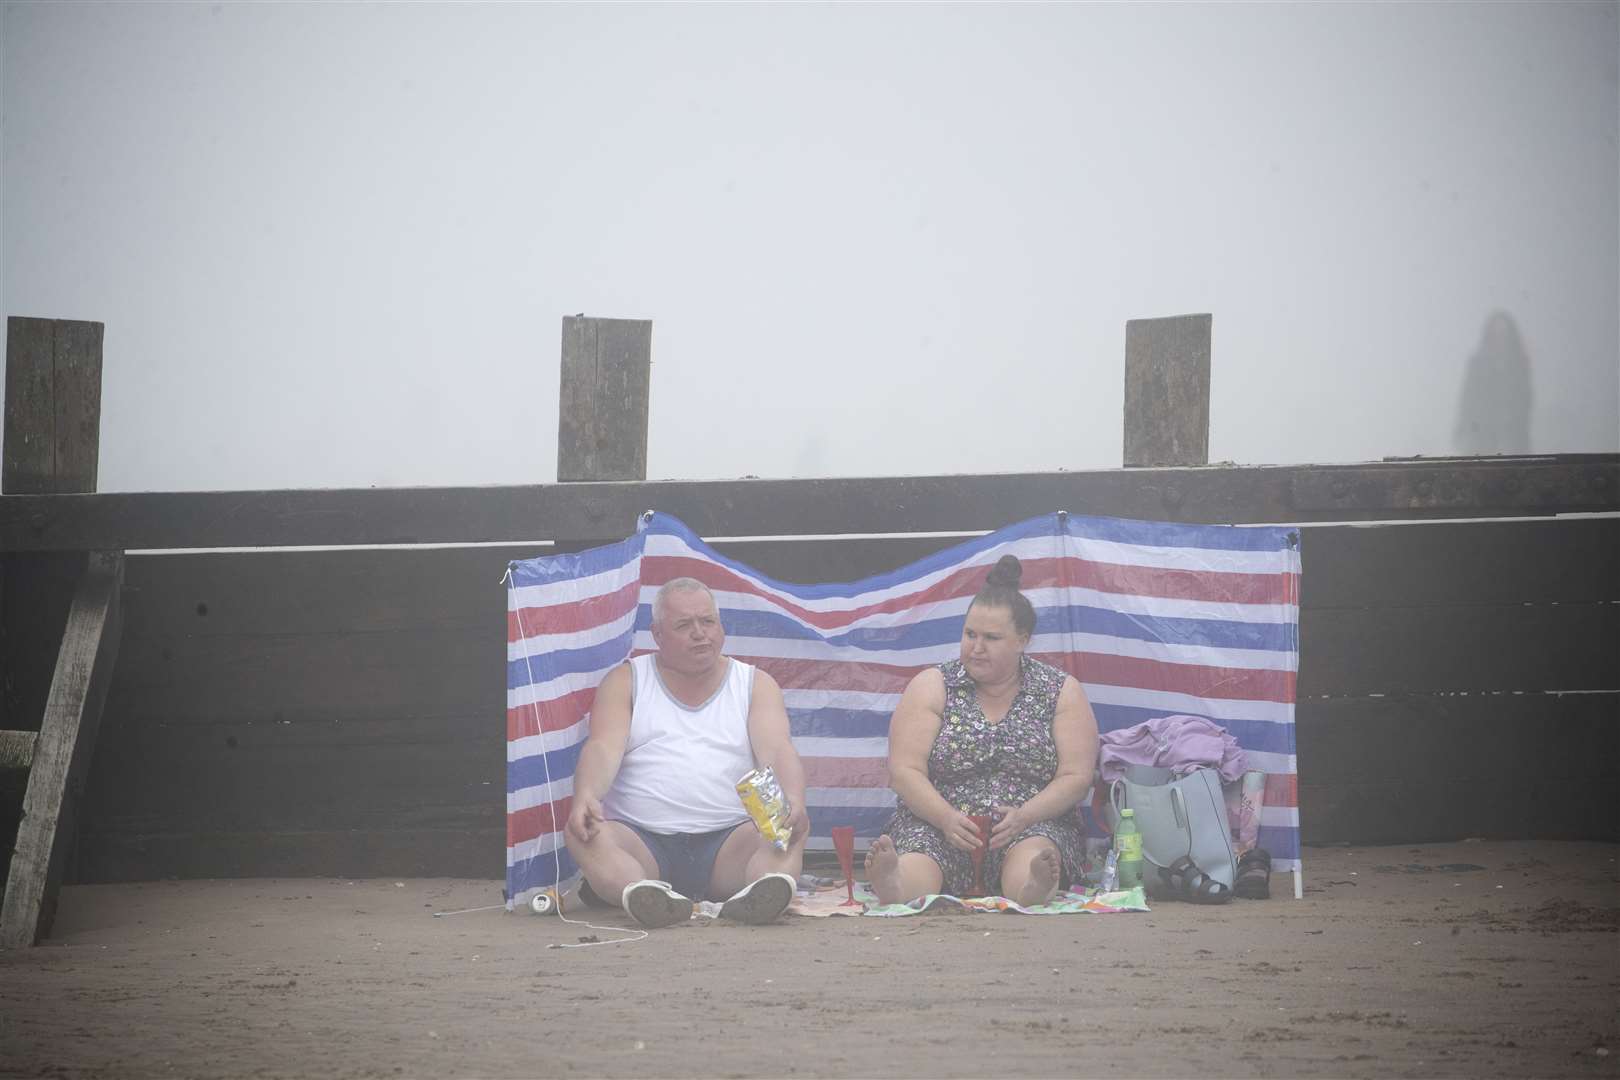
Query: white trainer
x=762 y=901
x=654 y=904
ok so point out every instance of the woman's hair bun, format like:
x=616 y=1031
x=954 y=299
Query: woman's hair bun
x=1006 y=574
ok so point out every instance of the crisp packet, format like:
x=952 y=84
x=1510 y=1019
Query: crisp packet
x=763 y=798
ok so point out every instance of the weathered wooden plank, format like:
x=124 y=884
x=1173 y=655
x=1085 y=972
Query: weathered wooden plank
x=1167 y=391
x=357 y=589
x=720 y=508
x=351 y=676
x=473 y=850
x=240 y=777
x=1551 y=561
x=17 y=749
x=1459 y=648
x=77 y=402
x=29 y=454
x=602 y=410
x=62 y=754
x=1418 y=767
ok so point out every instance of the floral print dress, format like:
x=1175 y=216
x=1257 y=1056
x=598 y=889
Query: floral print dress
x=975 y=765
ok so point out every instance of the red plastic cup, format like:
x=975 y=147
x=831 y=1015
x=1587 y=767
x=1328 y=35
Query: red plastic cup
x=982 y=823
x=844 y=843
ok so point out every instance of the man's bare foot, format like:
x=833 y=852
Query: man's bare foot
x=1044 y=869
x=883 y=871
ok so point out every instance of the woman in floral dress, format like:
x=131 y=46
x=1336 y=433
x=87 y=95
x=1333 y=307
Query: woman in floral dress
x=993 y=732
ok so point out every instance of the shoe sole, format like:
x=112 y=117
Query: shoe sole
x=763 y=903
x=654 y=908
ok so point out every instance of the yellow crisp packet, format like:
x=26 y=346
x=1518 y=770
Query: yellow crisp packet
x=763 y=798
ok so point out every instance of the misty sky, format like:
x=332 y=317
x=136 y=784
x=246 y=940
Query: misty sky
x=332 y=244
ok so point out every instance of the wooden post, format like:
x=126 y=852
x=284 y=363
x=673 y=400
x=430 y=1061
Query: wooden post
x=602 y=411
x=62 y=752
x=1167 y=391
x=53 y=406
x=51 y=446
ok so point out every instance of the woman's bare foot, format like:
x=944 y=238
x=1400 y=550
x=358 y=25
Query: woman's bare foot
x=883 y=871
x=1044 y=870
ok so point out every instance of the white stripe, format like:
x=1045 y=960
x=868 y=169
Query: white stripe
x=517 y=854
x=806 y=700
x=1279 y=817
x=548 y=741
x=526 y=798
x=1170 y=703
x=536 y=644
x=816 y=746
x=1198 y=560
x=842 y=796
x=552 y=689
x=1040 y=547
x=1267 y=762
x=1042 y=598
x=929 y=655
x=550 y=593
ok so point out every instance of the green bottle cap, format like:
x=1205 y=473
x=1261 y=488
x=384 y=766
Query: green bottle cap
x=1127 y=813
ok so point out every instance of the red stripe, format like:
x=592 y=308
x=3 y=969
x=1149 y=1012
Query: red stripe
x=554 y=715
x=1282 y=789
x=1210 y=586
x=655 y=570
x=1240 y=684
x=846 y=772
x=573 y=616
x=535 y=821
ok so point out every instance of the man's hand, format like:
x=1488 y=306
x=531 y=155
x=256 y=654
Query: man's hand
x=799 y=822
x=1009 y=821
x=585 y=818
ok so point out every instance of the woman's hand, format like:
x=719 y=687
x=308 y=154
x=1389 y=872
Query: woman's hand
x=960 y=832
x=1009 y=821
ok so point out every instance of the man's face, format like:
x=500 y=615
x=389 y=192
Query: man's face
x=689 y=635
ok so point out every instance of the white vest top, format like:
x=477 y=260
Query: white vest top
x=681 y=764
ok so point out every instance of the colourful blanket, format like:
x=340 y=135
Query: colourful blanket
x=833 y=900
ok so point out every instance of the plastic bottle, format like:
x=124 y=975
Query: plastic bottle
x=1110 y=875
x=1128 y=843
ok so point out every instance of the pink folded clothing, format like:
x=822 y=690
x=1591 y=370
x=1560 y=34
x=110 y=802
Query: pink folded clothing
x=1178 y=743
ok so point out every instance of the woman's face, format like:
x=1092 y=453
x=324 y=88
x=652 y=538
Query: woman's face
x=991 y=645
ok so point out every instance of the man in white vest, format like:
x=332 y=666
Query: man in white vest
x=656 y=821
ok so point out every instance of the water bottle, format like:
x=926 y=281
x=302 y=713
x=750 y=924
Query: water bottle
x=1110 y=875
x=1128 y=844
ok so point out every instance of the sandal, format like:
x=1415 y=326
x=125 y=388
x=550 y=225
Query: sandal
x=1187 y=882
x=1254 y=875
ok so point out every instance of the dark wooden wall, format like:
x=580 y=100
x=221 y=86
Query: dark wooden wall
x=342 y=712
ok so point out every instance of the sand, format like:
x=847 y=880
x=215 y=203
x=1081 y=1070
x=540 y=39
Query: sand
x=1390 y=966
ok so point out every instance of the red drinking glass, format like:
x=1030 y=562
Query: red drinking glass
x=982 y=823
x=844 y=843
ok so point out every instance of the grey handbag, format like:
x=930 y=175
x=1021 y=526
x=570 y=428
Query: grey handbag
x=1186 y=838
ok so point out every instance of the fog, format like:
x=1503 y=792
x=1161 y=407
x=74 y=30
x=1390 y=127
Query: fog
x=333 y=244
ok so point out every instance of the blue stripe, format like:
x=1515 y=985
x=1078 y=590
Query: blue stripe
x=838 y=723
x=528 y=670
x=539 y=872
x=1281 y=841
x=1075 y=619
x=867 y=820
x=552 y=569
x=1045 y=525
x=1262 y=735
x=533 y=771
x=1167 y=534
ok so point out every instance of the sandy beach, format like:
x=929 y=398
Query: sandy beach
x=1468 y=959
